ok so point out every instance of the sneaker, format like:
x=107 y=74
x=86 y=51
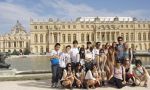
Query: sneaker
x=133 y=85
x=53 y=85
x=56 y=85
x=145 y=85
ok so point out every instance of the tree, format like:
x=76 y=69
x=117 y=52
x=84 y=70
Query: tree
x=15 y=52
x=26 y=51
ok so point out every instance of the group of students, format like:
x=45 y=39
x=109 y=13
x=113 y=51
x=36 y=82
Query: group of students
x=96 y=66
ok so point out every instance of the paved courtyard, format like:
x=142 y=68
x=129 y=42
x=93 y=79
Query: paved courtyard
x=45 y=85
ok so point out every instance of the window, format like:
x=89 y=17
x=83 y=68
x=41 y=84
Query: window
x=131 y=26
x=87 y=37
x=127 y=36
x=103 y=36
x=92 y=37
x=87 y=26
x=82 y=26
x=63 y=37
x=144 y=36
x=74 y=37
x=108 y=37
x=126 y=26
x=121 y=26
x=63 y=26
x=41 y=38
x=143 y=25
x=46 y=27
x=122 y=35
x=138 y=25
x=139 y=36
x=82 y=37
x=69 y=37
x=14 y=44
x=41 y=27
x=68 y=26
x=9 y=44
x=35 y=27
x=132 y=37
x=55 y=38
x=20 y=43
x=149 y=36
x=74 y=26
x=113 y=36
x=35 y=38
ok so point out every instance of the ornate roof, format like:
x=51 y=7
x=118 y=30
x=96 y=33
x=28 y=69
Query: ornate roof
x=18 y=29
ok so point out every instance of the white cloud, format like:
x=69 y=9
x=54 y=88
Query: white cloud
x=11 y=12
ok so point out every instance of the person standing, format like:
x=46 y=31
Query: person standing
x=120 y=50
x=54 y=58
x=74 y=54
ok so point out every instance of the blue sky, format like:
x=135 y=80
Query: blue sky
x=23 y=10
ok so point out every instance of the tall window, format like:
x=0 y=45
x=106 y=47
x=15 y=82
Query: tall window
x=63 y=37
x=132 y=37
x=82 y=37
x=74 y=26
x=14 y=44
x=144 y=36
x=149 y=36
x=113 y=36
x=122 y=35
x=139 y=36
x=87 y=37
x=55 y=38
x=127 y=36
x=20 y=43
x=35 y=38
x=35 y=27
x=41 y=38
x=74 y=37
x=41 y=27
x=108 y=37
x=92 y=37
x=9 y=44
x=69 y=37
x=103 y=36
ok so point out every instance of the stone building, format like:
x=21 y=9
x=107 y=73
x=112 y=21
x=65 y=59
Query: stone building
x=17 y=39
x=44 y=34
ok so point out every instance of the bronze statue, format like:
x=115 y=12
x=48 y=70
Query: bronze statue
x=3 y=64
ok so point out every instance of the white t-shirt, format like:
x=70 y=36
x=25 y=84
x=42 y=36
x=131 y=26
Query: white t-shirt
x=95 y=52
x=53 y=52
x=89 y=54
x=64 y=59
x=74 y=54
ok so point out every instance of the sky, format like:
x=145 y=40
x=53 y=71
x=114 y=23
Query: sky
x=24 y=10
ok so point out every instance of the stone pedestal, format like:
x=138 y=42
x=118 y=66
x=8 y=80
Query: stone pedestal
x=7 y=72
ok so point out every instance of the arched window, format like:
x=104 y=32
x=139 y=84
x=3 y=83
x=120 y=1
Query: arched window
x=144 y=36
x=92 y=37
x=87 y=37
x=55 y=38
x=46 y=38
x=74 y=37
x=108 y=36
x=41 y=38
x=82 y=37
x=127 y=36
x=69 y=37
x=36 y=49
x=132 y=37
x=103 y=36
x=113 y=36
x=41 y=49
x=149 y=36
x=139 y=36
x=35 y=38
x=63 y=37
x=122 y=35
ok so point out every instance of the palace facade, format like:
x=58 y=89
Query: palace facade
x=18 y=39
x=44 y=34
